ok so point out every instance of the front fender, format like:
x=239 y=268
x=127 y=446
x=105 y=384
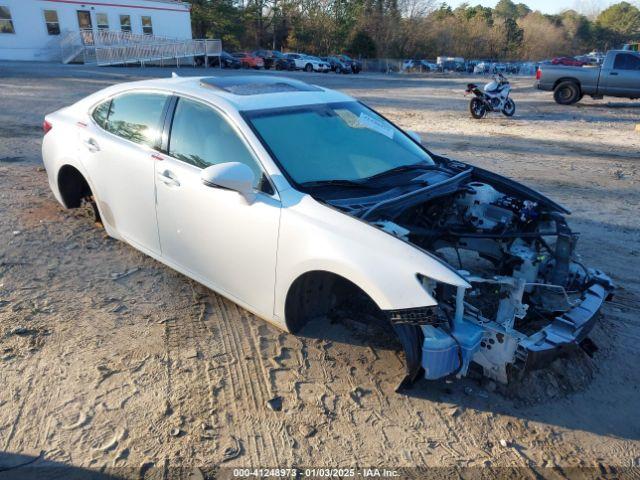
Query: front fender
x=314 y=237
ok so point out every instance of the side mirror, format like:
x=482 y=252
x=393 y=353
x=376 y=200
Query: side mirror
x=231 y=175
x=416 y=136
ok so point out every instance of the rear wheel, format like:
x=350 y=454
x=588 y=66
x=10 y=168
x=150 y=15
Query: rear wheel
x=477 y=108
x=308 y=67
x=566 y=93
x=509 y=108
x=338 y=69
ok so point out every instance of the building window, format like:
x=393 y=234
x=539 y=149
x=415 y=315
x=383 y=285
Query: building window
x=6 y=24
x=102 y=19
x=147 y=26
x=51 y=19
x=125 y=23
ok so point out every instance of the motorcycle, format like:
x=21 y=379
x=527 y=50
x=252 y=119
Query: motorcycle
x=493 y=98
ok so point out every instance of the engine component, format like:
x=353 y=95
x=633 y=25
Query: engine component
x=480 y=209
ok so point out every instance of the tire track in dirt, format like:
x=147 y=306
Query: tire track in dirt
x=247 y=403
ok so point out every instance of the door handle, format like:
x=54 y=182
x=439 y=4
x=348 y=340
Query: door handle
x=91 y=145
x=168 y=178
x=613 y=73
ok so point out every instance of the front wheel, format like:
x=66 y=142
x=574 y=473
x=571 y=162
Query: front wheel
x=509 y=108
x=308 y=67
x=477 y=108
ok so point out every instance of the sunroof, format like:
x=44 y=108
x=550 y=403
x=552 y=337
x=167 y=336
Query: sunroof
x=257 y=85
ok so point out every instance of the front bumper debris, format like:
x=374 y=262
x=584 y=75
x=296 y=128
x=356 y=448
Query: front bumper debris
x=569 y=329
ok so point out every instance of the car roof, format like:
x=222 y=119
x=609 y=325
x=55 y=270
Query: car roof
x=244 y=92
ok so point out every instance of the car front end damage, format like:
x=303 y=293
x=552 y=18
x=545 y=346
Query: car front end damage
x=530 y=298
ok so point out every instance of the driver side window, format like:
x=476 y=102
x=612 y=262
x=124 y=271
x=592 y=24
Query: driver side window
x=201 y=137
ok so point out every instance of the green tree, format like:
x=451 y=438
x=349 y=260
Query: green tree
x=362 y=45
x=619 y=23
x=506 y=9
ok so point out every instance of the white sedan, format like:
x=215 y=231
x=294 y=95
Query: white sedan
x=309 y=63
x=297 y=202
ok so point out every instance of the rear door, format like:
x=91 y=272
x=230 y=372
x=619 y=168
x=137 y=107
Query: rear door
x=214 y=234
x=117 y=150
x=623 y=78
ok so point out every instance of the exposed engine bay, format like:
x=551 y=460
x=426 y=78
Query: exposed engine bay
x=530 y=296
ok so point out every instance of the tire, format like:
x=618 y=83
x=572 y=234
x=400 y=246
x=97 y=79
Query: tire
x=567 y=93
x=509 y=108
x=477 y=108
x=308 y=67
x=338 y=70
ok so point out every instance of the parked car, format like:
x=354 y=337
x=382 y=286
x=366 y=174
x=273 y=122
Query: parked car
x=355 y=65
x=248 y=60
x=275 y=59
x=308 y=63
x=227 y=60
x=318 y=64
x=619 y=76
x=336 y=64
x=298 y=60
x=206 y=175
x=418 y=66
x=568 y=61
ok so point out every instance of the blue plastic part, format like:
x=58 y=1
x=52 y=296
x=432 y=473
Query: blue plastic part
x=469 y=337
x=439 y=353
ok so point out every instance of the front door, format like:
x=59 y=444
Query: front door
x=214 y=234
x=117 y=152
x=84 y=20
x=86 y=26
x=624 y=77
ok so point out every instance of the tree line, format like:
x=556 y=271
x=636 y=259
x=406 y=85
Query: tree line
x=412 y=28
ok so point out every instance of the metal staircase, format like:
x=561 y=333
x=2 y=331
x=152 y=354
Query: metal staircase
x=105 y=47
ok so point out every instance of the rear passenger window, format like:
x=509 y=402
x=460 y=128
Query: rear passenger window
x=201 y=137
x=137 y=117
x=101 y=112
x=627 y=61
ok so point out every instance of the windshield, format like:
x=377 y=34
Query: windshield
x=337 y=141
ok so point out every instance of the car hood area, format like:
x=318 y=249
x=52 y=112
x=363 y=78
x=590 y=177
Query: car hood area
x=528 y=298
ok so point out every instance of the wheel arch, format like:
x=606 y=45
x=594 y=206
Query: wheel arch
x=313 y=293
x=567 y=79
x=72 y=185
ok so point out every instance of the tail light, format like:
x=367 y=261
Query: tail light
x=46 y=127
x=538 y=74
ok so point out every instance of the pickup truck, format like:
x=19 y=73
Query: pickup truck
x=619 y=76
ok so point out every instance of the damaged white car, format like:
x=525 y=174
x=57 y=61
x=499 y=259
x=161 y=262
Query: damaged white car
x=293 y=200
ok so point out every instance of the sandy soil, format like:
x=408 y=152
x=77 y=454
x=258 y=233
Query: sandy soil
x=111 y=361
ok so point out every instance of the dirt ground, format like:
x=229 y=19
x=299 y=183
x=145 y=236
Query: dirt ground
x=112 y=362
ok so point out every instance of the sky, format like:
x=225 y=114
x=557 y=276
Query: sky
x=588 y=7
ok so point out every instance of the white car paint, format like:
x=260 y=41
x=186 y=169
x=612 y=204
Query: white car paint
x=302 y=61
x=249 y=250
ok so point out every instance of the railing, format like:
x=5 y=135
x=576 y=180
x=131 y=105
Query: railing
x=71 y=46
x=134 y=53
x=106 y=47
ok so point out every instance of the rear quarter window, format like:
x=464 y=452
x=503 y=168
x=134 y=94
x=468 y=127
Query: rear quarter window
x=101 y=113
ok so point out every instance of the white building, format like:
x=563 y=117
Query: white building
x=33 y=29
